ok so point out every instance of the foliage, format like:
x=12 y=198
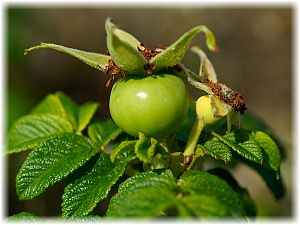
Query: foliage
x=139 y=176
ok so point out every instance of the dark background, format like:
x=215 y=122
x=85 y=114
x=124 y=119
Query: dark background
x=256 y=58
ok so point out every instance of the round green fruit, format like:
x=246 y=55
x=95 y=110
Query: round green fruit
x=154 y=105
x=204 y=109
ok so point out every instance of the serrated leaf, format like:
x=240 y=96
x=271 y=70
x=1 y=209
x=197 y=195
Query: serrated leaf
x=197 y=182
x=58 y=104
x=248 y=202
x=23 y=217
x=85 y=219
x=204 y=206
x=271 y=153
x=121 y=47
x=28 y=131
x=70 y=107
x=85 y=114
x=63 y=106
x=103 y=132
x=52 y=160
x=147 y=202
x=51 y=104
x=143 y=195
x=82 y=194
x=123 y=151
x=175 y=52
x=218 y=150
x=145 y=179
x=94 y=60
x=243 y=143
x=141 y=148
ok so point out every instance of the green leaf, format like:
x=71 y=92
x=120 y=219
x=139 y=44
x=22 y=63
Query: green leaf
x=270 y=149
x=218 y=150
x=147 y=202
x=123 y=50
x=50 y=105
x=143 y=195
x=141 y=148
x=103 y=132
x=62 y=105
x=145 y=179
x=95 y=60
x=28 y=131
x=85 y=114
x=274 y=183
x=23 y=216
x=50 y=162
x=175 y=52
x=58 y=104
x=84 y=219
x=82 y=194
x=205 y=206
x=197 y=182
x=243 y=143
x=70 y=107
x=248 y=202
x=123 y=151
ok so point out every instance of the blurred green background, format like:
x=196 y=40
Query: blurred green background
x=256 y=58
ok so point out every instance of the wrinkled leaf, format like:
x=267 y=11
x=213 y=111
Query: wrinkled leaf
x=204 y=206
x=270 y=149
x=82 y=194
x=248 y=202
x=103 y=132
x=85 y=114
x=146 y=179
x=143 y=195
x=218 y=150
x=197 y=182
x=95 y=60
x=147 y=202
x=63 y=106
x=70 y=107
x=84 y=219
x=123 y=151
x=175 y=52
x=50 y=162
x=23 y=217
x=51 y=104
x=243 y=143
x=29 y=131
x=121 y=47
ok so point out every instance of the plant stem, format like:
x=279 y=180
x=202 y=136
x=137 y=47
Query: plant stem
x=193 y=138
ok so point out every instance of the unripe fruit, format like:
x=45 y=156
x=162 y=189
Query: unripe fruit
x=204 y=109
x=155 y=105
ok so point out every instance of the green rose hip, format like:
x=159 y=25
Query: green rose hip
x=154 y=105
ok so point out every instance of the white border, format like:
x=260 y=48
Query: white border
x=158 y=3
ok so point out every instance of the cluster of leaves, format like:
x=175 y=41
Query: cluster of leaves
x=94 y=156
x=141 y=177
